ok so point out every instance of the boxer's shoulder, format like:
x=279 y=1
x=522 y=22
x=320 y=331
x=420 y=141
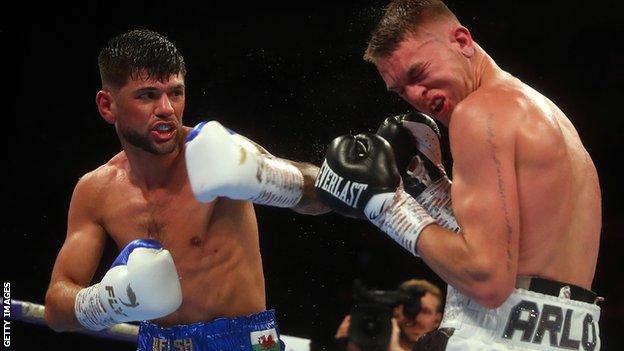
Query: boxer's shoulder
x=105 y=174
x=497 y=110
x=95 y=183
x=496 y=101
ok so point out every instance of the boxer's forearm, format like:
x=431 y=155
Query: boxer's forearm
x=59 y=306
x=309 y=203
x=466 y=265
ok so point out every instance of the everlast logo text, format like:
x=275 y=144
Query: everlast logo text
x=554 y=321
x=345 y=190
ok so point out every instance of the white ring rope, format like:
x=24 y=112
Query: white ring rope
x=34 y=313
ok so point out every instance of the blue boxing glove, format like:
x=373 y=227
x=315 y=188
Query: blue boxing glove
x=142 y=284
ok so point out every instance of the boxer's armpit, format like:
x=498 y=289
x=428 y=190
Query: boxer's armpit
x=309 y=203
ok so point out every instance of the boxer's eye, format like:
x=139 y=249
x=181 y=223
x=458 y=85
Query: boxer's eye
x=178 y=93
x=417 y=76
x=148 y=95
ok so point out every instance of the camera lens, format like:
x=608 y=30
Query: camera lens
x=370 y=326
x=411 y=309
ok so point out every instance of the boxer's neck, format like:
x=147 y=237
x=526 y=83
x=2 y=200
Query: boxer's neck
x=151 y=171
x=484 y=70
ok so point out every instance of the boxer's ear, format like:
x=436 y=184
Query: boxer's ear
x=461 y=37
x=106 y=105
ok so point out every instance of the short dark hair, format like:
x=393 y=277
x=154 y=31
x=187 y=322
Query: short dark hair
x=400 y=18
x=130 y=53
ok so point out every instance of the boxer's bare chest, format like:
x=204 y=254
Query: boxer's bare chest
x=166 y=214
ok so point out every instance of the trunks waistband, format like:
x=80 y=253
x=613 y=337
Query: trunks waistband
x=556 y=288
x=219 y=326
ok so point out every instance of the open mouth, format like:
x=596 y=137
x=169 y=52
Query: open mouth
x=164 y=131
x=437 y=105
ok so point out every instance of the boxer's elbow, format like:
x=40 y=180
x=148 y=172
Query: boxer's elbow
x=56 y=317
x=53 y=322
x=492 y=296
x=491 y=284
x=51 y=314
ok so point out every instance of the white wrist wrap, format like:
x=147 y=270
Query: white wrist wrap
x=403 y=219
x=90 y=311
x=436 y=199
x=281 y=183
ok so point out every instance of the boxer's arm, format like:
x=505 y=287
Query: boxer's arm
x=77 y=260
x=480 y=261
x=309 y=204
x=222 y=163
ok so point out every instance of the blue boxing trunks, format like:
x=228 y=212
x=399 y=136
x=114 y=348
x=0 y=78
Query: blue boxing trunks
x=246 y=333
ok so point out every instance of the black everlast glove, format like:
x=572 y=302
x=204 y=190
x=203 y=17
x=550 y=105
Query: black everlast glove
x=359 y=179
x=415 y=140
x=354 y=170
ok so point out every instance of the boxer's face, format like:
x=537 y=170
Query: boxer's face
x=148 y=113
x=427 y=320
x=430 y=71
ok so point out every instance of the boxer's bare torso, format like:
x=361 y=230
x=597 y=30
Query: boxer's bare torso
x=214 y=246
x=557 y=187
x=525 y=191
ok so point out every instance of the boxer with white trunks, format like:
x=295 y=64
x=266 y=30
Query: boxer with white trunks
x=521 y=258
x=361 y=178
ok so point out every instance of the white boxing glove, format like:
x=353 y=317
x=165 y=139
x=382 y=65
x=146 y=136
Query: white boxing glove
x=221 y=163
x=142 y=284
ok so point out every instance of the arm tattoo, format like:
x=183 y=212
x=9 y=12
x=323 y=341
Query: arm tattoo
x=501 y=189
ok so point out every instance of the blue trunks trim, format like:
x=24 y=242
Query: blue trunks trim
x=221 y=334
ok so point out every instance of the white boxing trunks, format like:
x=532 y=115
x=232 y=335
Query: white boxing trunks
x=539 y=315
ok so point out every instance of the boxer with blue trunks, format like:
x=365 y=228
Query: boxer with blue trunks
x=178 y=203
x=247 y=333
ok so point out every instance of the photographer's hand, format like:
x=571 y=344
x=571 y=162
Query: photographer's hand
x=394 y=344
x=343 y=329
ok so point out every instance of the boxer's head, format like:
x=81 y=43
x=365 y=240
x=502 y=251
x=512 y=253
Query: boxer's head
x=424 y=55
x=142 y=92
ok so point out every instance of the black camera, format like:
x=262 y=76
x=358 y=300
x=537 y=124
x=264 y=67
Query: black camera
x=371 y=314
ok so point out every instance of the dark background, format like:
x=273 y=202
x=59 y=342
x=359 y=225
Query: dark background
x=291 y=78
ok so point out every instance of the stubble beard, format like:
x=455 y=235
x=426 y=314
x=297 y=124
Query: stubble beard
x=145 y=143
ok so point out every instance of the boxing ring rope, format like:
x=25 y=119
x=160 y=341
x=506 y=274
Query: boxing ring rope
x=33 y=313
